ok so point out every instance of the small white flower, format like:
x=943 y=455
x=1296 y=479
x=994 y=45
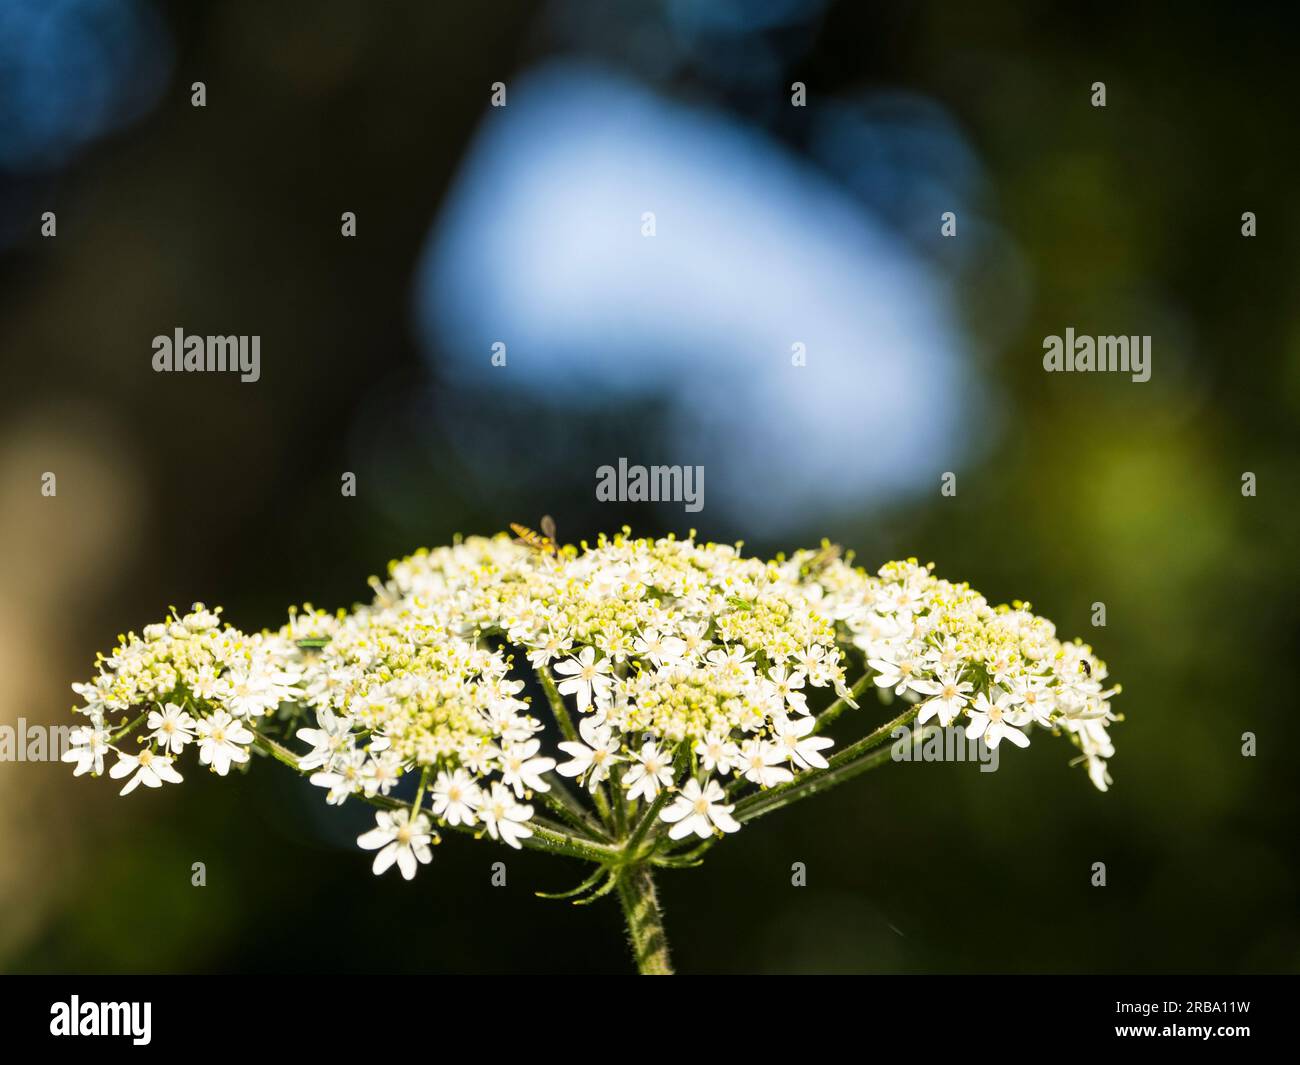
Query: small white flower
x=455 y=797
x=814 y=664
x=246 y=694
x=549 y=648
x=521 y=771
x=795 y=741
x=651 y=770
x=398 y=839
x=150 y=770
x=593 y=757
x=380 y=774
x=995 y=720
x=660 y=650
x=173 y=728
x=948 y=697
x=332 y=736
x=717 y=753
x=343 y=777
x=89 y=744
x=762 y=763
x=586 y=677
x=900 y=672
x=1038 y=699
x=786 y=688
x=220 y=739
x=505 y=818
x=699 y=810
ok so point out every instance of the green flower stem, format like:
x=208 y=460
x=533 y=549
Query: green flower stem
x=276 y=750
x=126 y=730
x=565 y=806
x=562 y=718
x=618 y=802
x=645 y=924
x=419 y=793
x=554 y=840
x=847 y=764
x=556 y=700
x=645 y=824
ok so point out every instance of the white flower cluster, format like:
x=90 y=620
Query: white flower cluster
x=998 y=669
x=664 y=646
x=692 y=670
x=191 y=680
x=396 y=690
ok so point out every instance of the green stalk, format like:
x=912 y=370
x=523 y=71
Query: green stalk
x=126 y=730
x=565 y=805
x=645 y=923
x=556 y=700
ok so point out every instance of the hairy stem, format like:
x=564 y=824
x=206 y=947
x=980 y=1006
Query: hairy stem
x=556 y=700
x=645 y=922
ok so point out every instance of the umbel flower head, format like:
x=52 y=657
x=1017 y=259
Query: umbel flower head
x=689 y=689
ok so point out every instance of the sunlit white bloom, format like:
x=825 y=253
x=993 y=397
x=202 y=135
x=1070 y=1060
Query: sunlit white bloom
x=381 y=773
x=342 y=777
x=592 y=757
x=994 y=720
x=504 y=818
x=550 y=647
x=786 y=687
x=700 y=810
x=901 y=672
x=1036 y=697
x=399 y=839
x=172 y=727
x=333 y=735
x=650 y=771
x=455 y=798
x=795 y=740
x=220 y=742
x=585 y=677
x=947 y=698
x=522 y=770
x=813 y=662
x=148 y=768
x=247 y=694
x=89 y=744
x=717 y=753
x=762 y=763
x=659 y=649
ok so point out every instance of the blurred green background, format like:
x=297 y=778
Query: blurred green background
x=1072 y=489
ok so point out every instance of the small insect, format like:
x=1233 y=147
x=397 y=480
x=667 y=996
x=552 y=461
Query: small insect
x=829 y=553
x=543 y=541
x=1083 y=665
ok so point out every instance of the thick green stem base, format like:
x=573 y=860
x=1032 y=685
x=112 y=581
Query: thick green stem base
x=645 y=924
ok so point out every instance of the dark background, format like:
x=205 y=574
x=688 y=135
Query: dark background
x=1072 y=489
